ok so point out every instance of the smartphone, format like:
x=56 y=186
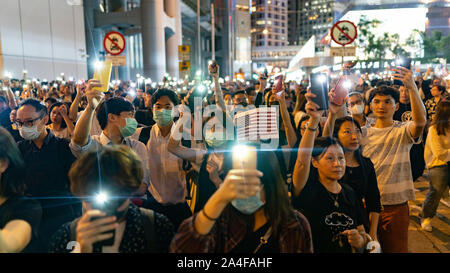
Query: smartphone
x=265 y=75
x=213 y=67
x=341 y=90
x=102 y=73
x=279 y=84
x=244 y=157
x=107 y=242
x=319 y=87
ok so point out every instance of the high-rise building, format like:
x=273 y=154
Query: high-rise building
x=315 y=18
x=269 y=23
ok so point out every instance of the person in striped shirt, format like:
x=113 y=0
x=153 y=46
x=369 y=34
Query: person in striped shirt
x=387 y=143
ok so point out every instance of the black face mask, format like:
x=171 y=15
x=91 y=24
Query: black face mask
x=243 y=104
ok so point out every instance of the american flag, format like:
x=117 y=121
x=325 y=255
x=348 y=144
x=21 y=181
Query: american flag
x=257 y=124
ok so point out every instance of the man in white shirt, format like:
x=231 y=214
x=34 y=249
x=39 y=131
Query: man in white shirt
x=387 y=143
x=167 y=190
x=116 y=118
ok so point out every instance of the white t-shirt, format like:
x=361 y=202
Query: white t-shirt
x=389 y=148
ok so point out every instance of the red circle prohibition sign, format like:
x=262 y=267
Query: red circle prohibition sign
x=350 y=39
x=110 y=37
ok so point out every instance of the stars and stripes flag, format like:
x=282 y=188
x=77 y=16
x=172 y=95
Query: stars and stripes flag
x=257 y=124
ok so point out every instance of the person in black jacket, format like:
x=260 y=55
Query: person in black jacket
x=47 y=162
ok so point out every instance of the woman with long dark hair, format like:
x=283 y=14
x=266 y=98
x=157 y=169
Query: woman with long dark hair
x=60 y=123
x=249 y=213
x=437 y=158
x=359 y=172
x=19 y=216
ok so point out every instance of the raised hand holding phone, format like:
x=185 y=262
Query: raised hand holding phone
x=102 y=73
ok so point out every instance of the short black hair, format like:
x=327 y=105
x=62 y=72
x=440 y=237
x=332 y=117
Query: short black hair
x=37 y=105
x=241 y=91
x=150 y=91
x=165 y=92
x=114 y=106
x=385 y=90
x=321 y=145
x=51 y=100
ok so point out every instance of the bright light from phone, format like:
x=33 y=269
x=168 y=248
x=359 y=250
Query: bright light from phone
x=198 y=73
x=202 y=88
x=45 y=87
x=138 y=76
x=133 y=85
x=227 y=78
x=8 y=74
x=241 y=151
x=347 y=84
x=25 y=72
x=101 y=198
x=132 y=93
x=322 y=78
x=98 y=65
x=25 y=86
x=399 y=61
x=71 y=79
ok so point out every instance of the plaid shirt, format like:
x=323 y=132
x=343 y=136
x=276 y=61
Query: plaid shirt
x=294 y=236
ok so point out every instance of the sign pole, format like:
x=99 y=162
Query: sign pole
x=213 y=38
x=343 y=55
x=116 y=72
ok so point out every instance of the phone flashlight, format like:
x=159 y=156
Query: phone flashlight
x=347 y=84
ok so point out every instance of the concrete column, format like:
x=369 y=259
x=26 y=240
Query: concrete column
x=94 y=42
x=153 y=40
x=172 y=8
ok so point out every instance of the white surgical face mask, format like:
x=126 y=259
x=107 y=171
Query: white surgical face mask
x=29 y=133
x=357 y=109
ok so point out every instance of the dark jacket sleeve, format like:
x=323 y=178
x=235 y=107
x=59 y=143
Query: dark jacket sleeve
x=259 y=99
x=373 y=202
x=188 y=240
x=60 y=240
x=165 y=232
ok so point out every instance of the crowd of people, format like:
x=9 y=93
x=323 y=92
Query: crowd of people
x=83 y=170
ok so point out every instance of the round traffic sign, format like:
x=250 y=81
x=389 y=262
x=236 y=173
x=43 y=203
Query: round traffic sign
x=344 y=32
x=114 y=43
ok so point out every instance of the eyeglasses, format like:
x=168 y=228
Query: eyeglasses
x=27 y=123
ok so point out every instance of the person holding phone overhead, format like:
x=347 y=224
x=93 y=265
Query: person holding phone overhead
x=249 y=213
x=110 y=175
x=331 y=208
x=388 y=143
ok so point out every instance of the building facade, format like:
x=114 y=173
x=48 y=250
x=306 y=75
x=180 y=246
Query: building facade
x=42 y=37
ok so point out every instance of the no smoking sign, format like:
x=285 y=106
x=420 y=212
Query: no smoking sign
x=114 y=43
x=344 y=32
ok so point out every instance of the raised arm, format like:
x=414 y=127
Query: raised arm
x=303 y=163
x=83 y=127
x=418 y=111
x=289 y=129
x=73 y=112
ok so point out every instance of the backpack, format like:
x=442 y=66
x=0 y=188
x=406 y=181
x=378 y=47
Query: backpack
x=149 y=228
